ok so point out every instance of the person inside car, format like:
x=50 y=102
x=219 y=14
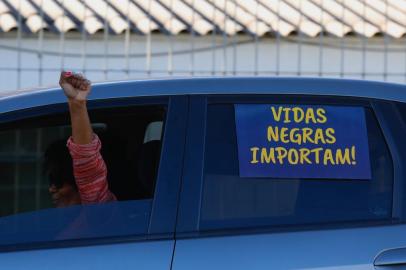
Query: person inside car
x=76 y=169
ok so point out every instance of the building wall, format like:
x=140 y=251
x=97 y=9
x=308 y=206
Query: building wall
x=32 y=62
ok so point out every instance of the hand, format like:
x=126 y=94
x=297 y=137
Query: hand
x=74 y=85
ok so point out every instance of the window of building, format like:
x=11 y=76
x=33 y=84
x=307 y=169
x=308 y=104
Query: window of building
x=230 y=201
x=131 y=144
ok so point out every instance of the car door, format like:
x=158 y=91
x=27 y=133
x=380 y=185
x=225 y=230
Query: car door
x=137 y=231
x=289 y=217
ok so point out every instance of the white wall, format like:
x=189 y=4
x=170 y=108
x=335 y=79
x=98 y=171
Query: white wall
x=21 y=68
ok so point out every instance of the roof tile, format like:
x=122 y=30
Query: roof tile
x=311 y=17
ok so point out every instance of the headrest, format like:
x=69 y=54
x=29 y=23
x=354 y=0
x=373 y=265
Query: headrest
x=153 y=132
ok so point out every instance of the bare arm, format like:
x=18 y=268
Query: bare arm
x=76 y=89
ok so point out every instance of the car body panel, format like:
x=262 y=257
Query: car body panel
x=217 y=86
x=153 y=250
x=349 y=249
x=350 y=246
x=138 y=255
x=354 y=247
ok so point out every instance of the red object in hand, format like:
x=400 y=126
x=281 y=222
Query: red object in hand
x=68 y=74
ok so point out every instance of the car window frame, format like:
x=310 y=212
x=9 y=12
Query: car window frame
x=193 y=176
x=392 y=135
x=164 y=204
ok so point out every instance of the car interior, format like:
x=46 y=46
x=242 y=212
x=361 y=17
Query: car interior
x=131 y=143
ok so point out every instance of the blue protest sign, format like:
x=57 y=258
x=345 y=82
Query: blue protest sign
x=301 y=141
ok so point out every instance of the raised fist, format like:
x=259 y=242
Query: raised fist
x=74 y=85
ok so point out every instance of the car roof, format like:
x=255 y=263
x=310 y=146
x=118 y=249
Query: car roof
x=212 y=86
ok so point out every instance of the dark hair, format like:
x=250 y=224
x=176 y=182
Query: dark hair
x=58 y=165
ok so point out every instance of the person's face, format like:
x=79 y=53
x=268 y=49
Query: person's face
x=64 y=196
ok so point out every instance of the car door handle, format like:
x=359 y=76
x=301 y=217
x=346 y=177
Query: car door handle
x=391 y=257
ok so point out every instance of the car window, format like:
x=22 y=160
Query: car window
x=232 y=201
x=131 y=140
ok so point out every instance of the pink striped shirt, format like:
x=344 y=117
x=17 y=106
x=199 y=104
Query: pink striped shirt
x=90 y=171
